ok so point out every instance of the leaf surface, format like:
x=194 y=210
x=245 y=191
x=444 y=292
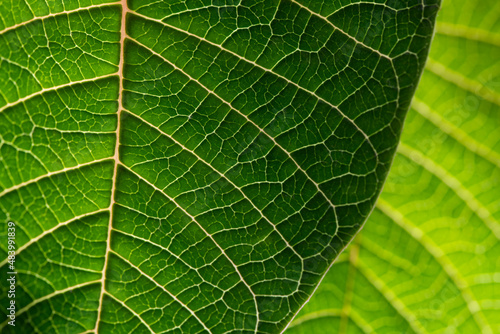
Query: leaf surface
x=193 y=166
x=427 y=260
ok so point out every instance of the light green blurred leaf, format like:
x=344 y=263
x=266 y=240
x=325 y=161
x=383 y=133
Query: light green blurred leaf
x=254 y=138
x=428 y=259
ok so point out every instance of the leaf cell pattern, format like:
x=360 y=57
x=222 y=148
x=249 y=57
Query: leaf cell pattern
x=427 y=260
x=194 y=166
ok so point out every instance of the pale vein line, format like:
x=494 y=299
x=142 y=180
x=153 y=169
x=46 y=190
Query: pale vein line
x=14 y=63
x=156 y=218
x=396 y=260
x=349 y=289
x=454 y=131
x=265 y=70
x=27 y=152
x=50 y=295
x=197 y=9
x=37 y=276
x=174 y=297
x=222 y=175
x=49 y=231
x=116 y=159
x=327 y=270
x=206 y=233
x=253 y=123
x=55 y=88
x=190 y=10
x=391 y=297
x=326 y=313
x=354 y=3
x=62 y=264
x=131 y=311
x=338 y=256
x=152 y=243
x=29 y=7
x=485 y=278
x=368 y=47
x=469 y=198
x=462 y=81
x=448 y=266
x=82 y=50
x=473 y=34
x=49 y=174
x=36 y=126
x=36 y=18
x=331 y=313
x=342 y=31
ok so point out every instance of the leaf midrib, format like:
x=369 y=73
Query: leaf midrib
x=116 y=158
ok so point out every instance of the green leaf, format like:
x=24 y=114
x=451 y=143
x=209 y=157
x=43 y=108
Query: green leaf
x=193 y=166
x=427 y=260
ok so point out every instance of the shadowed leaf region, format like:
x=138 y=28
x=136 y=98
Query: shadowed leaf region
x=427 y=260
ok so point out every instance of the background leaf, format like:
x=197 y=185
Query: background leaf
x=428 y=259
x=193 y=166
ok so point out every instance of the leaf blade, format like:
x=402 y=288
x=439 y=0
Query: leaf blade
x=223 y=214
